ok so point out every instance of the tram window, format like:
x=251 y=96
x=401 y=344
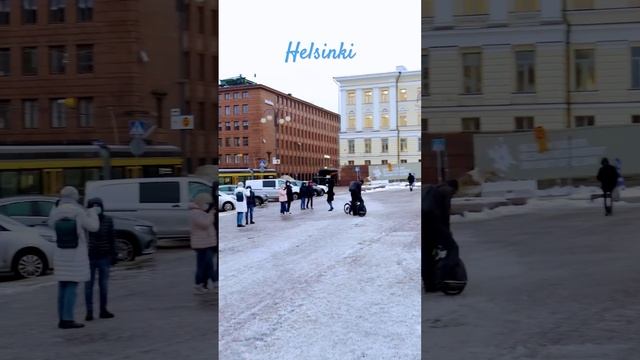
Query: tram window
x=160 y=192
x=30 y=182
x=8 y=183
x=150 y=171
x=91 y=174
x=117 y=173
x=74 y=177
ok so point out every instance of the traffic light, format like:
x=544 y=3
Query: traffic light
x=541 y=138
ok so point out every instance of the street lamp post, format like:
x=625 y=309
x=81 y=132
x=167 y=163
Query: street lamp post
x=277 y=121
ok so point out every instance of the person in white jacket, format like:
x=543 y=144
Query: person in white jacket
x=241 y=203
x=71 y=263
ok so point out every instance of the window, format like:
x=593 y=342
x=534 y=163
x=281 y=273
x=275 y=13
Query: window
x=367 y=146
x=384 y=121
x=585 y=69
x=196 y=188
x=201 y=19
x=352 y=146
x=160 y=192
x=5 y=107
x=351 y=98
x=245 y=108
x=236 y=125
x=470 y=124
x=22 y=209
x=201 y=70
x=29 y=11
x=58 y=113
x=471 y=7
x=368 y=122
x=403 y=161
x=5 y=12
x=30 y=113
x=404 y=95
x=384 y=95
x=42 y=208
x=368 y=96
x=526 y=5
x=351 y=122
x=227 y=96
x=404 y=146
x=635 y=67
x=245 y=94
x=29 y=61
x=5 y=62
x=227 y=141
x=245 y=124
x=367 y=162
x=472 y=70
x=56 y=11
x=402 y=121
x=635 y=119
x=425 y=73
x=384 y=162
x=84 y=10
x=236 y=110
x=85 y=112
x=236 y=95
x=245 y=141
x=227 y=111
x=525 y=71
x=584 y=121
x=351 y=162
x=524 y=123
x=85 y=59
x=57 y=59
x=227 y=125
x=236 y=141
x=384 y=145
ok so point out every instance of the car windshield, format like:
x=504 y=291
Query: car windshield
x=9 y=221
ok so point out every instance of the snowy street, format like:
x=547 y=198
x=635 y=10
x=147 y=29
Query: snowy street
x=553 y=280
x=323 y=285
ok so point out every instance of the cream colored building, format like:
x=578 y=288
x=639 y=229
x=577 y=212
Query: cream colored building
x=511 y=65
x=380 y=118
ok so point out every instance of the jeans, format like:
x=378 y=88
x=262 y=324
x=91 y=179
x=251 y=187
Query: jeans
x=302 y=203
x=283 y=207
x=66 y=299
x=248 y=217
x=102 y=265
x=310 y=201
x=240 y=216
x=205 y=266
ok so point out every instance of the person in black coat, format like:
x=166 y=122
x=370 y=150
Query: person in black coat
x=311 y=192
x=436 y=229
x=411 y=179
x=608 y=177
x=102 y=255
x=251 y=205
x=355 y=188
x=289 y=196
x=330 y=194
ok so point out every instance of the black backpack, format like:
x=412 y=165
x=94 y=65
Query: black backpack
x=239 y=196
x=66 y=233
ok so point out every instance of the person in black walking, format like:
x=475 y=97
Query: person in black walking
x=102 y=255
x=251 y=205
x=411 y=179
x=608 y=178
x=330 y=194
x=311 y=192
x=436 y=229
x=289 y=196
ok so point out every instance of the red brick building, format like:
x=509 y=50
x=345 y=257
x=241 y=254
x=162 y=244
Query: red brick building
x=120 y=60
x=307 y=138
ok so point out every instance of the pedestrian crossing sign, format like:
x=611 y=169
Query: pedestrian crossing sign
x=136 y=128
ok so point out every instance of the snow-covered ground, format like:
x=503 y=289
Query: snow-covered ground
x=323 y=285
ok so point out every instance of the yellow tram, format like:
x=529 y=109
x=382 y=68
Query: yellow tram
x=234 y=176
x=37 y=169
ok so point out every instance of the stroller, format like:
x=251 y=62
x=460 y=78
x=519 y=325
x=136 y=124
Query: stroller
x=360 y=208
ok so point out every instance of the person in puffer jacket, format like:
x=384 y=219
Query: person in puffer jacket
x=102 y=254
x=203 y=240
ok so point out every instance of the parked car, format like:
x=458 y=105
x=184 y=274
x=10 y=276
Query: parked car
x=25 y=251
x=164 y=201
x=226 y=202
x=319 y=190
x=261 y=197
x=270 y=187
x=134 y=237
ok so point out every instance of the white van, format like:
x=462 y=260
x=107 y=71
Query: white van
x=270 y=187
x=162 y=201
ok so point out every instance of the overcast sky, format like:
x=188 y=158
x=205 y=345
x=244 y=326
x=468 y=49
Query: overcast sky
x=255 y=34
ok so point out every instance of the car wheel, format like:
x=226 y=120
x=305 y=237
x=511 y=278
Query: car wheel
x=125 y=250
x=295 y=196
x=227 y=206
x=260 y=201
x=30 y=264
x=321 y=193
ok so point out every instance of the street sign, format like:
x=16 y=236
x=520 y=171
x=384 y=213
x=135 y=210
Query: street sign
x=137 y=128
x=137 y=146
x=438 y=144
x=262 y=164
x=175 y=112
x=182 y=122
x=275 y=161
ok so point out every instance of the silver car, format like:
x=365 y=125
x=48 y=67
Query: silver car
x=134 y=237
x=25 y=251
